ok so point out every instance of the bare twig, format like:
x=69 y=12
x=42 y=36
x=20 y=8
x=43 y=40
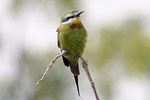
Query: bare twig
x=50 y=66
x=85 y=66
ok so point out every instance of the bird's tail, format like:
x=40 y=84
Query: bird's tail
x=74 y=68
x=75 y=71
x=76 y=80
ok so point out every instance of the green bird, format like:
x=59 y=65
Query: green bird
x=72 y=38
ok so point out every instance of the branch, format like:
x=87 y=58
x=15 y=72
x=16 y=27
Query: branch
x=85 y=66
x=50 y=66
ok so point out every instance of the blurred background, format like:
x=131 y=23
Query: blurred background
x=117 y=50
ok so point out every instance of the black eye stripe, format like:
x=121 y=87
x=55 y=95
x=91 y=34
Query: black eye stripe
x=66 y=19
x=71 y=17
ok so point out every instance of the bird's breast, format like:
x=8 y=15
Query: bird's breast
x=76 y=23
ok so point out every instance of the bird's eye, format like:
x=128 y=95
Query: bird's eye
x=66 y=19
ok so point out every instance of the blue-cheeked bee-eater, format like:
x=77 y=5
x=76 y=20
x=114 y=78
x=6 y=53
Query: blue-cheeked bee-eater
x=72 y=38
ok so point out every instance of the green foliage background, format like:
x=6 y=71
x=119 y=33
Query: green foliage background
x=119 y=51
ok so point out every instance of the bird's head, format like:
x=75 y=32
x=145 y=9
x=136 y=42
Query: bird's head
x=72 y=16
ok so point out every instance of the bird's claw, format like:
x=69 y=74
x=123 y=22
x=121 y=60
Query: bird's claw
x=78 y=55
x=64 y=51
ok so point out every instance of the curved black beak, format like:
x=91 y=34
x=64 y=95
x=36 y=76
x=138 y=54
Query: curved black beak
x=79 y=13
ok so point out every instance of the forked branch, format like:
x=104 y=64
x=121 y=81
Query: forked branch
x=84 y=64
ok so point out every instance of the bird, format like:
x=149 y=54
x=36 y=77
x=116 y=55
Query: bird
x=72 y=37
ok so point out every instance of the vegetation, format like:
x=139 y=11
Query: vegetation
x=119 y=51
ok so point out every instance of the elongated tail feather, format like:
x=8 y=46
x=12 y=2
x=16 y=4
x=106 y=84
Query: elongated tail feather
x=76 y=80
x=74 y=68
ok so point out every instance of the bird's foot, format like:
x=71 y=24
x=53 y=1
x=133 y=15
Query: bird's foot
x=78 y=55
x=64 y=51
